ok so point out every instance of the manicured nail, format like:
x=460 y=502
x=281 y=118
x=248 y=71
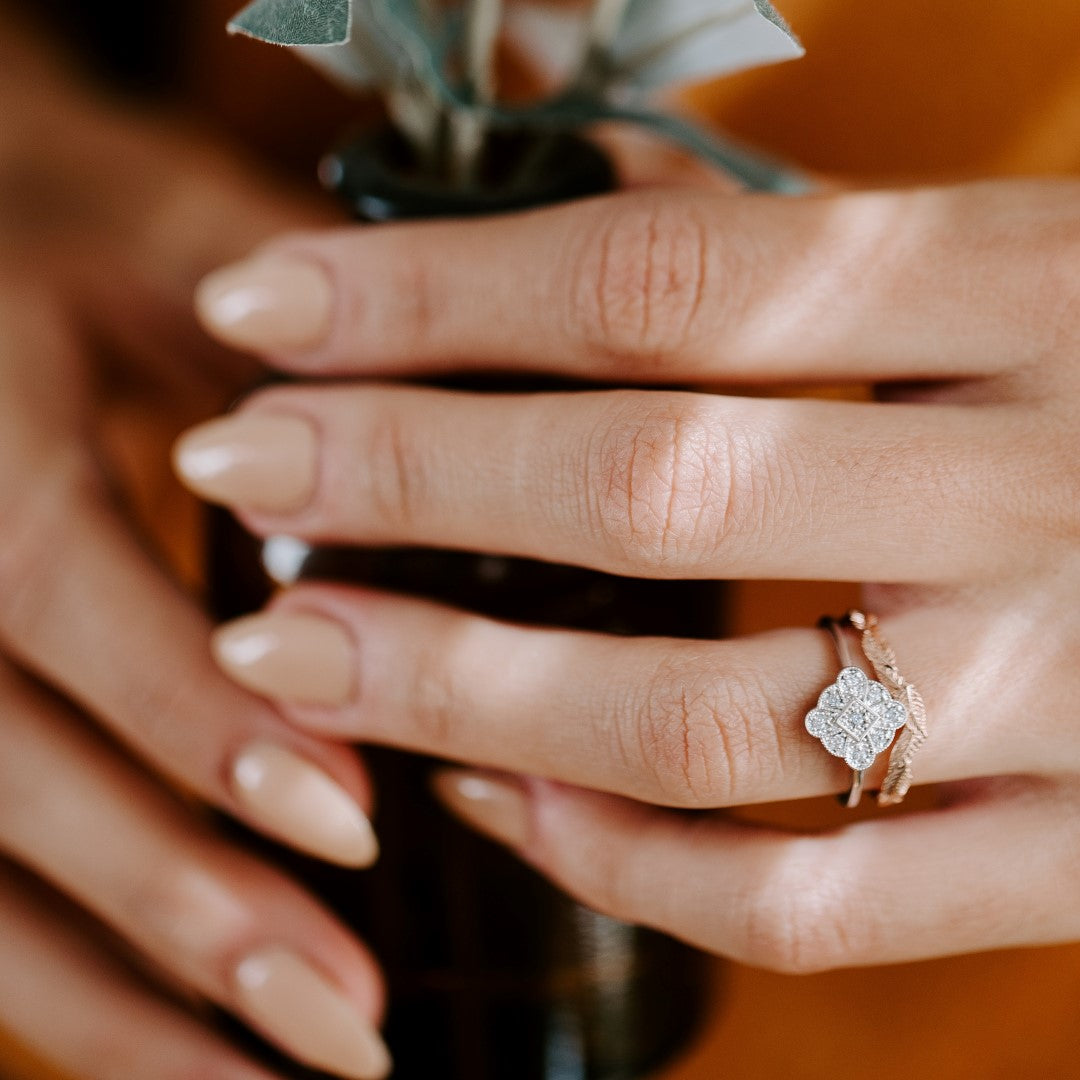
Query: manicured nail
x=267 y=304
x=253 y=461
x=294 y=657
x=306 y=1014
x=299 y=802
x=493 y=803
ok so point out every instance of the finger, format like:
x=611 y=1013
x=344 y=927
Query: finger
x=986 y=872
x=85 y=1013
x=240 y=933
x=647 y=483
x=82 y=604
x=668 y=285
x=681 y=723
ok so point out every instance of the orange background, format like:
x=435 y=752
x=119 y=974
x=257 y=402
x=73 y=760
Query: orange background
x=889 y=90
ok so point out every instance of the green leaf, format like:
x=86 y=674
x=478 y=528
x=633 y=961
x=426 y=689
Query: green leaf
x=295 y=22
x=684 y=40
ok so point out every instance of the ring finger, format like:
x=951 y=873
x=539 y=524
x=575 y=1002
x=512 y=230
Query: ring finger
x=681 y=723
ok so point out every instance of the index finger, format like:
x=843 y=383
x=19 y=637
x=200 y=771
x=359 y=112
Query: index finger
x=674 y=284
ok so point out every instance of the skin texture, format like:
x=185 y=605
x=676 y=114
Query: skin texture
x=954 y=493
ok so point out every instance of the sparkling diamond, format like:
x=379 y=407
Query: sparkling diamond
x=830 y=698
x=818 y=720
x=880 y=737
x=859 y=755
x=856 y=718
x=877 y=695
x=835 y=742
x=852 y=683
x=894 y=713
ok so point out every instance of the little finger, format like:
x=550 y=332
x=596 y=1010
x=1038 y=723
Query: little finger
x=987 y=871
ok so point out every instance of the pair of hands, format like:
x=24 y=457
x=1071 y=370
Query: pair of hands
x=958 y=490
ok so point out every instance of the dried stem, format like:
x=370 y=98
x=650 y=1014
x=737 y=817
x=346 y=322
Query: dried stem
x=468 y=130
x=605 y=22
x=482 y=35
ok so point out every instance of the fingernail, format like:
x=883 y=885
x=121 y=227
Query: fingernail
x=258 y=462
x=299 y=802
x=267 y=304
x=494 y=804
x=307 y=1015
x=294 y=657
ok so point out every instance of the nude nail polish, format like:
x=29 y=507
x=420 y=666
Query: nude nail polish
x=267 y=304
x=296 y=657
x=300 y=803
x=264 y=462
x=299 y=1008
x=496 y=805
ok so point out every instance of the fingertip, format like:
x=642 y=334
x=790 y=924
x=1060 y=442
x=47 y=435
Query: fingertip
x=300 y=802
x=257 y=461
x=267 y=304
x=496 y=804
x=296 y=657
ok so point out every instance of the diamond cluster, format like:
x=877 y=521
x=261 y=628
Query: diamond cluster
x=856 y=718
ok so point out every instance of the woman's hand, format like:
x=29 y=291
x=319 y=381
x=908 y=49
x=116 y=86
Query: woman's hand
x=105 y=229
x=956 y=493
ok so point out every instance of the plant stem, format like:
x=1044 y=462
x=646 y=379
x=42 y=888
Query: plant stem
x=605 y=22
x=482 y=35
x=468 y=130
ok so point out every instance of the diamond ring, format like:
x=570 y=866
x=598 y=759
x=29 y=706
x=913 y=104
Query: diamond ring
x=856 y=718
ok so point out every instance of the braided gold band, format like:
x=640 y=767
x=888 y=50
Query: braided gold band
x=877 y=651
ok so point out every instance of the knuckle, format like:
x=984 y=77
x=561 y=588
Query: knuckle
x=638 y=280
x=436 y=705
x=669 y=482
x=415 y=307
x=798 y=922
x=597 y=874
x=704 y=739
x=193 y=918
x=393 y=484
x=403 y=321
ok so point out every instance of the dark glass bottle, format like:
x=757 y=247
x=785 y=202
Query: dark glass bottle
x=493 y=973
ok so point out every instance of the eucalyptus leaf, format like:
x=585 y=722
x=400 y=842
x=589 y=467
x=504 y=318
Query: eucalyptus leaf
x=356 y=42
x=295 y=22
x=673 y=41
